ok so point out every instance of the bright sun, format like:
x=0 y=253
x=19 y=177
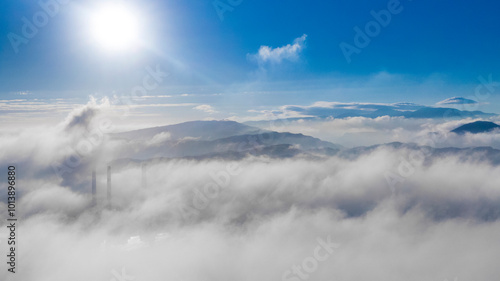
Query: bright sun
x=114 y=27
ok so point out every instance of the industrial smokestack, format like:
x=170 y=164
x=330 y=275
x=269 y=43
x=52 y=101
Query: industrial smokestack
x=143 y=176
x=109 y=186
x=93 y=187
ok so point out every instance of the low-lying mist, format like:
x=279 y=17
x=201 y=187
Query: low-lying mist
x=389 y=213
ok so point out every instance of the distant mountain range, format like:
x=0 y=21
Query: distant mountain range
x=476 y=128
x=325 y=110
x=405 y=110
x=199 y=130
x=212 y=139
x=423 y=112
x=233 y=140
x=200 y=140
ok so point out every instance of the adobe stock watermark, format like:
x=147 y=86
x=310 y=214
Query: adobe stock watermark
x=251 y=144
x=83 y=148
x=94 y=138
x=372 y=29
x=150 y=82
x=220 y=180
x=223 y=6
x=202 y=197
x=482 y=92
x=310 y=264
x=121 y=276
x=407 y=166
x=30 y=28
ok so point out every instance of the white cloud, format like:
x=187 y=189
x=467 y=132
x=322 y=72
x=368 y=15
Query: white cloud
x=456 y=101
x=158 y=139
x=288 y=52
x=206 y=108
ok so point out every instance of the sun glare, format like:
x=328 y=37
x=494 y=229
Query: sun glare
x=114 y=27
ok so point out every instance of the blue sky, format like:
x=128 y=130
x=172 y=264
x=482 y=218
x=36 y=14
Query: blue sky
x=428 y=51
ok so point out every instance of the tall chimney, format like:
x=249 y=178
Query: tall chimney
x=143 y=176
x=93 y=187
x=109 y=186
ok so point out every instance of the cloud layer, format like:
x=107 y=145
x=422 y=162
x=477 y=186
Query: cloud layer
x=266 y=219
x=363 y=131
x=397 y=213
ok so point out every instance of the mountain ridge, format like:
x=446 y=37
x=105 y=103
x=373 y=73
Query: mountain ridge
x=477 y=127
x=194 y=139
